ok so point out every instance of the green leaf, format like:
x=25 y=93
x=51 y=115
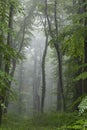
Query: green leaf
x=81 y=76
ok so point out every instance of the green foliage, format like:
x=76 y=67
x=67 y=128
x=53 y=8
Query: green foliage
x=81 y=123
x=82 y=76
x=4 y=80
x=83 y=105
x=7 y=53
x=73 y=41
x=78 y=125
x=47 y=121
x=77 y=101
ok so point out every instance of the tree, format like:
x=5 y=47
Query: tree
x=43 y=68
x=6 y=51
x=55 y=41
x=36 y=82
x=85 y=42
x=75 y=46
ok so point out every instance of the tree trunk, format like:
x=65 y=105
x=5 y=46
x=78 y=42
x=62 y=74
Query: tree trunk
x=59 y=105
x=59 y=57
x=82 y=10
x=78 y=85
x=0 y=115
x=85 y=46
x=36 y=98
x=60 y=92
x=1 y=110
x=43 y=74
x=20 y=98
x=85 y=61
x=8 y=59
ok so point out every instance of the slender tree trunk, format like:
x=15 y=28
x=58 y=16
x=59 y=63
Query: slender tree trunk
x=10 y=43
x=39 y=79
x=59 y=105
x=8 y=59
x=36 y=98
x=43 y=59
x=0 y=115
x=1 y=112
x=20 y=103
x=85 y=45
x=59 y=56
x=43 y=74
x=85 y=61
x=83 y=9
x=35 y=83
x=79 y=84
x=2 y=42
x=60 y=92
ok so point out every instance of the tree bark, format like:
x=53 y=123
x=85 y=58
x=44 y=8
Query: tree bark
x=83 y=21
x=1 y=110
x=79 y=84
x=43 y=74
x=0 y=115
x=60 y=84
x=21 y=86
x=8 y=59
x=36 y=98
x=59 y=56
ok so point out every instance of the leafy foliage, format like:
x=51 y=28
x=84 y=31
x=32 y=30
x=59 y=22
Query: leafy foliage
x=82 y=76
x=83 y=105
x=73 y=42
x=47 y=121
x=4 y=80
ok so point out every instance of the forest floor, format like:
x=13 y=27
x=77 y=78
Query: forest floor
x=48 y=121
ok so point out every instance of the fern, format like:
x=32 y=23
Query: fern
x=83 y=105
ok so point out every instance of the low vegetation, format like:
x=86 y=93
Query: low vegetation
x=47 y=121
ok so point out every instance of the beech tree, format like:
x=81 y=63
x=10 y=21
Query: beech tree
x=54 y=36
x=7 y=52
x=43 y=67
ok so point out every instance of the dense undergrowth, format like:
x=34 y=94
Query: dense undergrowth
x=50 y=121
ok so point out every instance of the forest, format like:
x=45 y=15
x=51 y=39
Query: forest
x=43 y=64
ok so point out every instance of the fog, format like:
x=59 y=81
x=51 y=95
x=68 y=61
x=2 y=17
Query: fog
x=28 y=77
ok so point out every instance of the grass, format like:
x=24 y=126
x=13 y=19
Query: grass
x=47 y=121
